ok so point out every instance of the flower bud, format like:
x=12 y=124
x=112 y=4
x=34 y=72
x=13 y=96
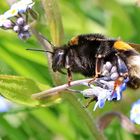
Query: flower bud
x=105 y=72
x=113 y=69
x=16 y=29
x=20 y=21
x=24 y=35
x=114 y=76
x=7 y=24
x=108 y=66
x=26 y=28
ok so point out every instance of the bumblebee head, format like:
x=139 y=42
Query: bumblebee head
x=58 y=59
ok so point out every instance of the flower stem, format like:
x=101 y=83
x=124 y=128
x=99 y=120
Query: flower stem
x=55 y=90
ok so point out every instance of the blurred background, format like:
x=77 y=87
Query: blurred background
x=62 y=121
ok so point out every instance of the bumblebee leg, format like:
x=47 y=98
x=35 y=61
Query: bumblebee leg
x=90 y=101
x=98 y=66
x=117 y=83
x=69 y=73
x=103 y=51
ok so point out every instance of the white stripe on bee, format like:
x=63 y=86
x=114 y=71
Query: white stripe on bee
x=134 y=65
x=61 y=53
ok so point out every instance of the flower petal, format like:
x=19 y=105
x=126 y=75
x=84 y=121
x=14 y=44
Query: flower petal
x=4 y=105
x=22 y=6
x=11 y=13
x=7 y=24
x=135 y=112
x=95 y=106
x=101 y=103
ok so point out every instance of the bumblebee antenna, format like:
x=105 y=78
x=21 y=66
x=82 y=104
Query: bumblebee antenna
x=39 y=50
x=45 y=38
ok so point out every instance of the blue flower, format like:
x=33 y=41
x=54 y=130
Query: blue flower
x=22 y=6
x=10 y=13
x=19 y=7
x=104 y=94
x=135 y=112
x=101 y=94
x=4 y=105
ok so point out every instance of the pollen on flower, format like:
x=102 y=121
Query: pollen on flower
x=14 y=11
x=136 y=110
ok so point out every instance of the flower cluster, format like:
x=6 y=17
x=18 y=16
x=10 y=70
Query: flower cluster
x=16 y=18
x=135 y=112
x=103 y=88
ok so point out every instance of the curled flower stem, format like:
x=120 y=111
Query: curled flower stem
x=57 y=89
x=107 y=118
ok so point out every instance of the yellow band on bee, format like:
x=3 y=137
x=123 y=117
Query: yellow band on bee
x=74 y=41
x=120 y=45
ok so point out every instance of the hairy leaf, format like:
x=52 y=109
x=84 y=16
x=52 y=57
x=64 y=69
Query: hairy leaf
x=19 y=89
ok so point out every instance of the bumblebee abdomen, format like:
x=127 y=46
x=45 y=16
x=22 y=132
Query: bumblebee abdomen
x=134 y=82
x=134 y=71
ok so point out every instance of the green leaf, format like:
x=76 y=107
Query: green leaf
x=19 y=89
x=13 y=133
x=54 y=20
x=119 y=23
x=22 y=66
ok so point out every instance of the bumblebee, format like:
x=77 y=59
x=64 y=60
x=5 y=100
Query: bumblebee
x=87 y=53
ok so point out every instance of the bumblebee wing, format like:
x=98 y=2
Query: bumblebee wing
x=135 y=46
x=87 y=38
x=121 y=45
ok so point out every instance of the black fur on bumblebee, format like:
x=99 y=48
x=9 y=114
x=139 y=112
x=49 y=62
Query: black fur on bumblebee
x=112 y=63
x=87 y=53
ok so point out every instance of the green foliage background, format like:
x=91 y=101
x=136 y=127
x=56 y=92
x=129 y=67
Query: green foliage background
x=62 y=121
